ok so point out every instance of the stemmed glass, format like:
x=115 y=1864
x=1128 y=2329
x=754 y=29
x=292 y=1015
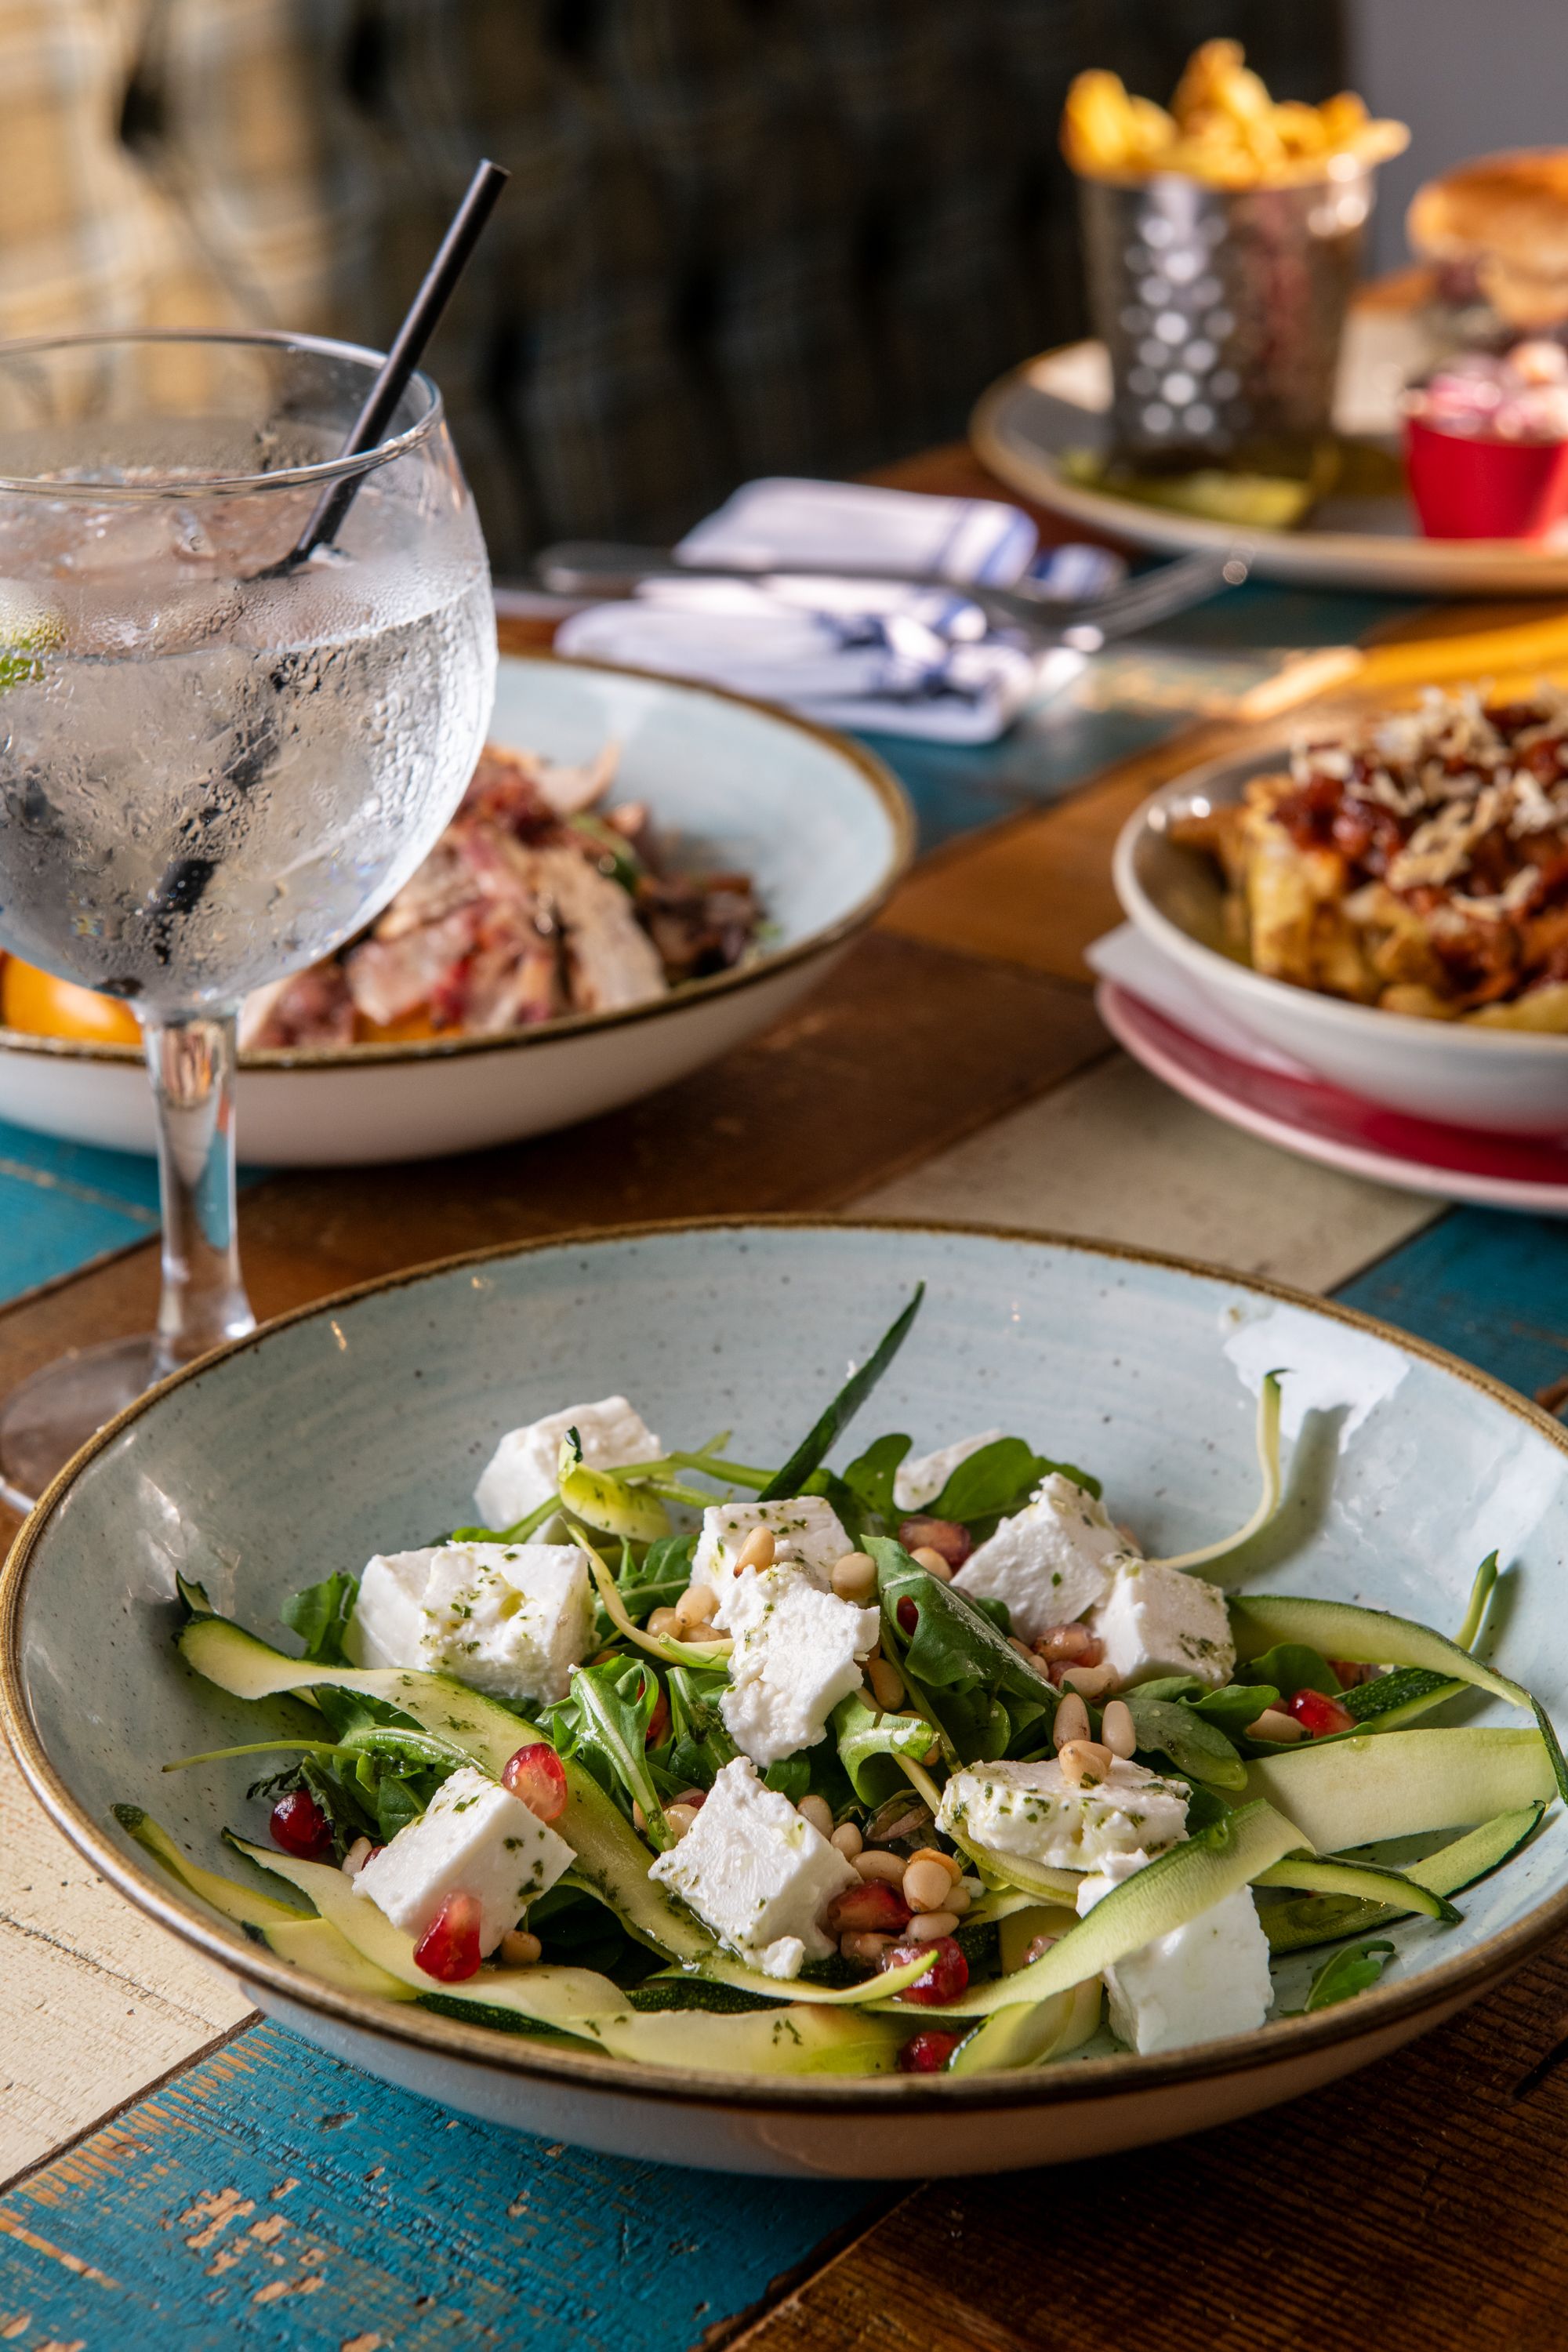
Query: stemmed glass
x=215 y=766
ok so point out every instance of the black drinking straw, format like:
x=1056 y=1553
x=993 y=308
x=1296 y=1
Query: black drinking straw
x=381 y=402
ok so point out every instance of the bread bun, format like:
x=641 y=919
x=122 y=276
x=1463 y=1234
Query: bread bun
x=1505 y=216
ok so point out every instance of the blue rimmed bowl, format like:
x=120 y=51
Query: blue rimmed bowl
x=359 y=1424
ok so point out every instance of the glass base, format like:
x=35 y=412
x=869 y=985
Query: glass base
x=44 y=1422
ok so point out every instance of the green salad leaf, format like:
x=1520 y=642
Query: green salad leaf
x=1174 y=1727
x=603 y=1723
x=870 y=1476
x=870 y=1743
x=987 y=1700
x=698 y=1746
x=320 y=1615
x=1292 y=1666
x=1355 y=1970
x=819 y=1441
x=657 y=1579
x=999 y=1480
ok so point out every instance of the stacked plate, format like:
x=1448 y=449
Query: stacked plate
x=1470 y=1114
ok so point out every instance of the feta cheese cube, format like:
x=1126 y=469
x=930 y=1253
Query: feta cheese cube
x=1034 y=1812
x=522 y=1472
x=798 y=1651
x=1050 y=1562
x=474 y=1838
x=806 y=1531
x=1158 y=1621
x=920 y=1481
x=1202 y=1981
x=509 y=1620
x=757 y=1873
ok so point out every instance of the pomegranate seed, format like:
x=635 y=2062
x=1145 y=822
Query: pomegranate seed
x=944 y=1981
x=908 y=1616
x=450 y=1947
x=1317 y=1715
x=300 y=1826
x=658 y=1722
x=537 y=1776
x=928 y=2053
x=1039 y=1947
x=946 y=1536
x=872 y=1907
x=1347 y=1672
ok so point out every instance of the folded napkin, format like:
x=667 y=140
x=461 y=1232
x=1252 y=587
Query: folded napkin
x=872 y=654
x=1136 y=964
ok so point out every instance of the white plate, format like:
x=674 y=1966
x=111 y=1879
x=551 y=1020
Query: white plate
x=1023 y=427
x=1499 y=1081
x=817 y=821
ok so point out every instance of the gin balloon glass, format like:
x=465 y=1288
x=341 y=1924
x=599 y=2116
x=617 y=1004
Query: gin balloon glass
x=215 y=765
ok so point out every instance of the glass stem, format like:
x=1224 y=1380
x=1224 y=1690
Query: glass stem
x=191 y=1060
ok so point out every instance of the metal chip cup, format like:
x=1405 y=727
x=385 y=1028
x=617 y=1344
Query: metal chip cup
x=1222 y=308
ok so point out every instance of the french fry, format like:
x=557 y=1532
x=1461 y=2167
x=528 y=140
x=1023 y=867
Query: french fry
x=1223 y=128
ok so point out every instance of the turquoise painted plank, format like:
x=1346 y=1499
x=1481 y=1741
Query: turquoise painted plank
x=1492 y=1286
x=273 y=2200
x=63 y=1204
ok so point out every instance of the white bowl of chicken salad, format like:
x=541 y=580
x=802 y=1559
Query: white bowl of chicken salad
x=642 y=874
x=1067 y=1699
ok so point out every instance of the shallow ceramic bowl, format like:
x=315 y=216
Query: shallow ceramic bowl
x=817 y=821
x=1502 y=1081
x=361 y=1424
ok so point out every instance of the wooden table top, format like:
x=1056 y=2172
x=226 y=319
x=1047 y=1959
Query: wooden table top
x=183 y=2177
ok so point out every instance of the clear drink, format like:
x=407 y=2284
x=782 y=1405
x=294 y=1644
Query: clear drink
x=215 y=764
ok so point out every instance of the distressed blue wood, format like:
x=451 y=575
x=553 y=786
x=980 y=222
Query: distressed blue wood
x=63 y=1204
x=272 y=2198
x=1492 y=1286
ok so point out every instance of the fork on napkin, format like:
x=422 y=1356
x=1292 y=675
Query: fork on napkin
x=878 y=655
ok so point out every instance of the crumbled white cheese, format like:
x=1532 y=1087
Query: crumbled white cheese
x=919 y=1482
x=797 y=1652
x=522 y=1470
x=757 y=1873
x=805 y=1531
x=1200 y=1982
x=474 y=1838
x=1034 y=1812
x=1158 y=1621
x=1050 y=1562
x=511 y=1620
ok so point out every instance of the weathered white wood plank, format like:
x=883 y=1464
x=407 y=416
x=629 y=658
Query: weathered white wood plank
x=95 y=2000
x=1115 y=1156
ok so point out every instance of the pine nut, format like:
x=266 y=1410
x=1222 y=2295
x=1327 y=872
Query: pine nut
x=849 y=1840
x=949 y=1862
x=1275 y=1724
x=926 y=1886
x=679 y=1819
x=855 y=1576
x=929 y=1924
x=1072 y=1720
x=959 y=1898
x=819 y=1812
x=1064 y=1641
x=358 y=1854
x=639 y=1819
x=933 y=1562
x=663 y=1625
x=696 y=1605
x=1084 y=1762
x=1023 y=1649
x=1117 y=1729
x=1091 y=1681
x=861 y=1944
x=872 y=1863
x=519 y=1950
x=887 y=1684
x=757 y=1551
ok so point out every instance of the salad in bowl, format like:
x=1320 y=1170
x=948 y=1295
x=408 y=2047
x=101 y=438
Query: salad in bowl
x=917 y=1765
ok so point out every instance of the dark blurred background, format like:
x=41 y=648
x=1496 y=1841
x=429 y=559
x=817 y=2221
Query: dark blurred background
x=744 y=236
